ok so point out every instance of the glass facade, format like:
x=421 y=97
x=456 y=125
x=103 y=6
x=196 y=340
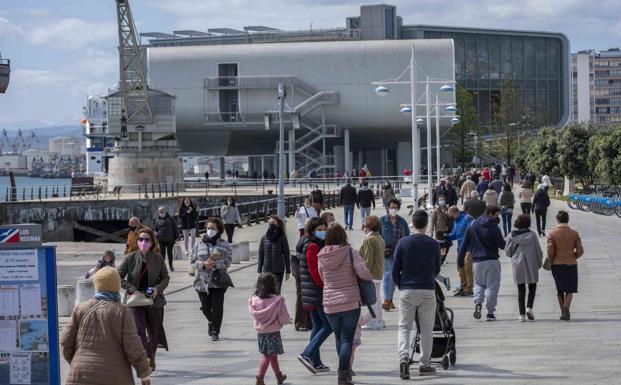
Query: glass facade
x=532 y=64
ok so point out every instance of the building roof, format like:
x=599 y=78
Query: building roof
x=226 y=31
x=157 y=35
x=260 y=28
x=192 y=33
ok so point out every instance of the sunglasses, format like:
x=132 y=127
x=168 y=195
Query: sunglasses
x=148 y=240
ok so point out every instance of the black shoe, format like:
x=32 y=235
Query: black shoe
x=308 y=364
x=404 y=370
x=490 y=317
x=209 y=329
x=459 y=293
x=477 y=311
x=215 y=337
x=171 y=268
x=426 y=369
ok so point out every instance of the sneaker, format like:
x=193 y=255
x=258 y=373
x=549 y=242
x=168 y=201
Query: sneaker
x=529 y=314
x=477 y=311
x=490 y=317
x=382 y=324
x=392 y=305
x=457 y=289
x=522 y=318
x=171 y=268
x=215 y=337
x=426 y=369
x=458 y=293
x=308 y=364
x=372 y=325
x=404 y=370
x=447 y=282
x=467 y=294
x=321 y=368
x=191 y=273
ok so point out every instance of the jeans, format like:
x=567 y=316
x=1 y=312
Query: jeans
x=212 y=306
x=540 y=218
x=349 y=215
x=411 y=302
x=364 y=212
x=487 y=283
x=230 y=230
x=507 y=215
x=526 y=207
x=387 y=282
x=532 y=290
x=320 y=332
x=344 y=325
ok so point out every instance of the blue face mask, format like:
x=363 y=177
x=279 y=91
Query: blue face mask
x=320 y=234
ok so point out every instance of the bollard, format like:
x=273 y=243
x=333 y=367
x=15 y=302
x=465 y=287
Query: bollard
x=66 y=300
x=84 y=290
x=244 y=250
x=235 y=254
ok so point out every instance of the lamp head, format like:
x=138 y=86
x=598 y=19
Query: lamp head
x=406 y=110
x=446 y=87
x=382 y=91
x=451 y=109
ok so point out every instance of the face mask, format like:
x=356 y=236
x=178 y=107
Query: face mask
x=441 y=203
x=144 y=246
x=272 y=228
x=211 y=233
x=331 y=223
x=393 y=212
x=307 y=205
x=162 y=215
x=320 y=234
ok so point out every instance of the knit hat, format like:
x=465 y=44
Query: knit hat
x=107 y=279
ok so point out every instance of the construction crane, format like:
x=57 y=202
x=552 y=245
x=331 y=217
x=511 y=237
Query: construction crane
x=30 y=140
x=19 y=142
x=4 y=140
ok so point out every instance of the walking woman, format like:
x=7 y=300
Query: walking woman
x=340 y=267
x=188 y=214
x=526 y=197
x=564 y=249
x=541 y=202
x=372 y=252
x=506 y=202
x=274 y=255
x=388 y=193
x=211 y=257
x=166 y=230
x=100 y=343
x=230 y=216
x=526 y=259
x=144 y=271
x=312 y=294
x=490 y=197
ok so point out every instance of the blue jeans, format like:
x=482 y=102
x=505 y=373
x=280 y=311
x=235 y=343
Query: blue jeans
x=349 y=215
x=387 y=283
x=344 y=325
x=364 y=212
x=507 y=215
x=320 y=332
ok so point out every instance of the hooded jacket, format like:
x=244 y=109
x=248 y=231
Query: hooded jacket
x=483 y=239
x=482 y=187
x=274 y=255
x=526 y=256
x=270 y=314
x=340 y=278
x=459 y=229
x=366 y=197
x=490 y=197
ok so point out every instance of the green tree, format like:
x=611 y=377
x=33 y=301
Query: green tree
x=543 y=153
x=573 y=152
x=468 y=123
x=605 y=154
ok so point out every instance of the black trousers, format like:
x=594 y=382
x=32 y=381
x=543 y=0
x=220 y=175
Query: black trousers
x=167 y=249
x=230 y=229
x=150 y=327
x=279 y=279
x=532 y=290
x=526 y=207
x=302 y=318
x=540 y=217
x=212 y=306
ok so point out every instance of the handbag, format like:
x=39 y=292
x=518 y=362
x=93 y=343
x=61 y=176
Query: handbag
x=547 y=264
x=367 y=288
x=177 y=252
x=138 y=298
x=221 y=279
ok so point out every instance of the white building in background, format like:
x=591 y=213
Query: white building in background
x=56 y=144
x=98 y=142
x=36 y=155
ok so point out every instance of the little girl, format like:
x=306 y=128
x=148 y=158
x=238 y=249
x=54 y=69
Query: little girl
x=108 y=260
x=363 y=320
x=270 y=314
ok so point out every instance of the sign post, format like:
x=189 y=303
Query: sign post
x=28 y=308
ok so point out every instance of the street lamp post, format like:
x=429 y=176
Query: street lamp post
x=282 y=94
x=512 y=126
x=415 y=130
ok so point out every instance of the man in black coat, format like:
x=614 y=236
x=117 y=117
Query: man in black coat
x=366 y=199
x=166 y=231
x=348 y=199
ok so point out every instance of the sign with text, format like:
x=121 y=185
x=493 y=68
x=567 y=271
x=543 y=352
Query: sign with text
x=20 y=236
x=18 y=265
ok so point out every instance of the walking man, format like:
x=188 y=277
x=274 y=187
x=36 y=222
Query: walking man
x=392 y=228
x=482 y=241
x=348 y=198
x=366 y=199
x=417 y=262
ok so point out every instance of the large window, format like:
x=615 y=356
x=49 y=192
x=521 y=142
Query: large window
x=389 y=22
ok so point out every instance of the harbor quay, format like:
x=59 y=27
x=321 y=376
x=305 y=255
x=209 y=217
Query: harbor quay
x=545 y=351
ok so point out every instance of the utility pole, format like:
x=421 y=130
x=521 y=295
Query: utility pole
x=282 y=95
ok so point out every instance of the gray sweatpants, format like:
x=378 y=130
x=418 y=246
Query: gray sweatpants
x=409 y=302
x=487 y=283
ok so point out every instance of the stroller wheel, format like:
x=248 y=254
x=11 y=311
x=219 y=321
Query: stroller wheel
x=445 y=362
x=453 y=357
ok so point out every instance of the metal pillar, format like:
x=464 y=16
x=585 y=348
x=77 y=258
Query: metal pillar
x=415 y=131
x=282 y=94
x=347 y=159
x=262 y=167
x=429 y=166
x=438 y=168
x=222 y=170
x=292 y=165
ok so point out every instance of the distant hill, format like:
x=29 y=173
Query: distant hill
x=43 y=134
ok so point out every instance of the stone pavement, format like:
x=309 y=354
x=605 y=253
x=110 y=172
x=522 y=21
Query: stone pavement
x=547 y=351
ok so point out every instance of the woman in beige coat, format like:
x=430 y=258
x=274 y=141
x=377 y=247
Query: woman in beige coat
x=100 y=342
x=372 y=252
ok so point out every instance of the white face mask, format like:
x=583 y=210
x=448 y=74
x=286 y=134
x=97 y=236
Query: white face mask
x=441 y=203
x=393 y=212
x=331 y=223
x=211 y=233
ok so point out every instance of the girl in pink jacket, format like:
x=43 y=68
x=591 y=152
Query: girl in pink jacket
x=270 y=314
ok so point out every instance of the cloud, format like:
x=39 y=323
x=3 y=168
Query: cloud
x=8 y=29
x=29 y=78
x=72 y=34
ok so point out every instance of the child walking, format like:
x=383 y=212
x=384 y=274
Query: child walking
x=362 y=321
x=270 y=314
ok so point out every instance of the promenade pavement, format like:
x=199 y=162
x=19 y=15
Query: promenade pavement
x=546 y=351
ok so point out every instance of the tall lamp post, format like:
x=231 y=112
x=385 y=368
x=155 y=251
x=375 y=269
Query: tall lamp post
x=282 y=94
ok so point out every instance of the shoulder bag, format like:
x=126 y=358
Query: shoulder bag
x=547 y=264
x=138 y=298
x=367 y=288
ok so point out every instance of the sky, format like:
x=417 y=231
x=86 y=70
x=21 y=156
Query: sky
x=61 y=51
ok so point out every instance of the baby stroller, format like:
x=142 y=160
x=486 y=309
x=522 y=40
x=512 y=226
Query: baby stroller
x=443 y=335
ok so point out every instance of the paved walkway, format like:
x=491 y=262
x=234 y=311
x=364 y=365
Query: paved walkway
x=547 y=351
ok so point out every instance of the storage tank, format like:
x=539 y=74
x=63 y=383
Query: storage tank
x=56 y=144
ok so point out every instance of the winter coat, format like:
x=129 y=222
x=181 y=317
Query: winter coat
x=303 y=214
x=482 y=241
x=165 y=228
x=203 y=278
x=490 y=197
x=101 y=344
x=130 y=268
x=348 y=196
x=386 y=230
x=482 y=187
x=372 y=252
x=341 y=291
x=564 y=245
x=506 y=200
x=270 y=314
x=466 y=188
x=440 y=220
x=541 y=201
x=526 y=256
x=230 y=215
x=188 y=220
x=474 y=207
x=316 y=197
x=312 y=293
x=526 y=195
x=132 y=240
x=366 y=198
x=274 y=255
x=459 y=229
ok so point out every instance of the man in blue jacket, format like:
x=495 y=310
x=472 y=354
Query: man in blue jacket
x=461 y=222
x=482 y=241
x=482 y=187
x=392 y=228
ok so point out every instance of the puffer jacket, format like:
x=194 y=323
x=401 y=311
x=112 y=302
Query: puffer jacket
x=201 y=252
x=274 y=255
x=270 y=314
x=165 y=228
x=341 y=291
x=102 y=346
x=312 y=294
x=526 y=256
